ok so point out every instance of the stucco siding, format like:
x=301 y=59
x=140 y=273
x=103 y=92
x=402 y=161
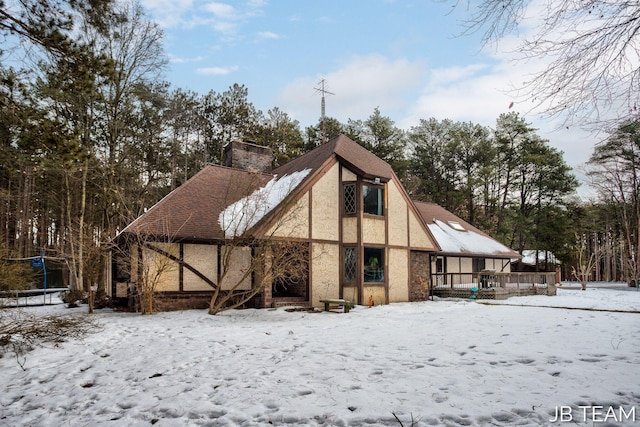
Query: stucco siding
x=398 y=275
x=295 y=222
x=203 y=258
x=397 y=211
x=347 y=175
x=373 y=231
x=418 y=237
x=349 y=229
x=497 y=265
x=507 y=268
x=160 y=272
x=466 y=265
x=239 y=261
x=326 y=206
x=350 y=293
x=453 y=264
x=325 y=272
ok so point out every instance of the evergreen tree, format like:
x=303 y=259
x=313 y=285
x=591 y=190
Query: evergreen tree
x=282 y=134
x=379 y=135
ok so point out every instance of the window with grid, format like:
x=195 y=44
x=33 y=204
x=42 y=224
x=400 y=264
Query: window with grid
x=350 y=198
x=349 y=265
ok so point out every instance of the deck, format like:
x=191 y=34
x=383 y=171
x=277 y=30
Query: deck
x=493 y=285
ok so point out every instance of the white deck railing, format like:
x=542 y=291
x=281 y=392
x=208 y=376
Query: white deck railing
x=483 y=280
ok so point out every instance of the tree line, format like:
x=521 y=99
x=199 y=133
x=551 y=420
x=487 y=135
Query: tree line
x=91 y=135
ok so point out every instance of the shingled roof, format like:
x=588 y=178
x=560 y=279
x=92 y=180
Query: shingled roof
x=191 y=211
x=457 y=237
x=353 y=155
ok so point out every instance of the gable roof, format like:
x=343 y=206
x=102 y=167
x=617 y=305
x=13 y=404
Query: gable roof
x=191 y=211
x=216 y=194
x=353 y=155
x=457 y=237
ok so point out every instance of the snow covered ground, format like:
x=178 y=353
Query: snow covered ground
x=442 y=363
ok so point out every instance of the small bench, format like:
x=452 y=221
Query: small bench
x=347 y=305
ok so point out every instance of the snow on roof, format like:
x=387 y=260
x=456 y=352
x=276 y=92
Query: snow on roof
x=452 y=240
x=240 y=216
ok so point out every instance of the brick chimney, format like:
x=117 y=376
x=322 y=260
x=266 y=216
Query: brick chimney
x=248 y=156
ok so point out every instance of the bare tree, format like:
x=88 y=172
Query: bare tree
x=250 y=263
x=154 y=264
x=148 y=260
x=586 y=261
x=590 y=48
x=615 y=171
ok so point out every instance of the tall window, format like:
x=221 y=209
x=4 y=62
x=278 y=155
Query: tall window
x=374 y=265
x=350 y=198
x=349 y=265
x=373 y=200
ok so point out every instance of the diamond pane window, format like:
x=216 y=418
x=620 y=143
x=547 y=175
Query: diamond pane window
x=350 y=199
x=349 y=265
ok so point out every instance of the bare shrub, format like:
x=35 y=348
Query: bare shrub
x=21 y=332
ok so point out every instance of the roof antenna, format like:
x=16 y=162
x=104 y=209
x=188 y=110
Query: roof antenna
x=322 y=89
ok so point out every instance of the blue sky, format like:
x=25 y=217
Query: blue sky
x=405 y=57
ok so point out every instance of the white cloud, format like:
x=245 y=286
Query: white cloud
x=477 y=93
x=256 y=4
x=178 y=60
x=220 y=10
x=359 y=86
x=216 y=71
x=168 y=13
x=189 y=14
x=267 y=35
x=407 y=92
x=474 y=93
x=224 y=27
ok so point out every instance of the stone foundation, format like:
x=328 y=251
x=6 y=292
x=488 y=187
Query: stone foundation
x=420 y=276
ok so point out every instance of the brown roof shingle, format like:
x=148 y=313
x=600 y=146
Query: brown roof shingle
x=358 y=158
x=191 y=211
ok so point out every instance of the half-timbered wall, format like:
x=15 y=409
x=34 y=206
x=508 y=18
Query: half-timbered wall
x=203 y=258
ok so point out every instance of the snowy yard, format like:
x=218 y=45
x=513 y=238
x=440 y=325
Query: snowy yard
x=443 y=363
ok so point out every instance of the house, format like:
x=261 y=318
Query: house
x=465 y=251
x=536 y=260
x=472 y=264
x=341 y=209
